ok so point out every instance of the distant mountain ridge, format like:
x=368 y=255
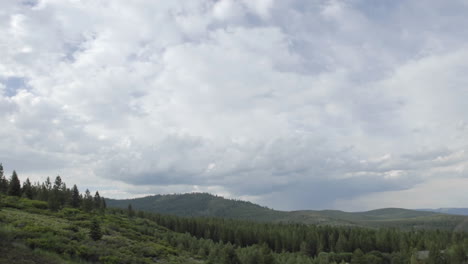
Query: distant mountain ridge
x=452 y=211
x=208 y=205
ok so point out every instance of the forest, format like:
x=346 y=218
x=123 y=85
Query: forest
x=49 y=222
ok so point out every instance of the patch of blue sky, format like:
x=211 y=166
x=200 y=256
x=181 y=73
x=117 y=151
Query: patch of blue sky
x=13 y=85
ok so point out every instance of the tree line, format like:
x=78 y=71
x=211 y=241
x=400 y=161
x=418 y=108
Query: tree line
x=56 y=194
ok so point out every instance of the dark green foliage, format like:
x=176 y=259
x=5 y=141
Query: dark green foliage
x=103 y=203
x=14 y=189
x=58 y=183
x=88 y=202
x=458 y=254
x=307 y=248
x=3 y=181
x=436 y=256
x=266 y=255
x=75 y=197
x=95 y=231
x=198 y=204
x=58 y=196
x=27 y=189
x=55 y=195
x=20 y=254
x=229 y=255
x=48 y=184
x=43 y=236
x=207 y=205
x=97 y=201
x=358 y=257
x=45 y=190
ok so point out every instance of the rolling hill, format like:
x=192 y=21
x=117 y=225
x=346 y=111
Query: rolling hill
x=207 y=205
x=200 y=204
x=453 y=211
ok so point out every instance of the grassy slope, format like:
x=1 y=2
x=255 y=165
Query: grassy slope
x=202 y=204
x=33 y=235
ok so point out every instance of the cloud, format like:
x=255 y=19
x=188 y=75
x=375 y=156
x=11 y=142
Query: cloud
x=295 y=104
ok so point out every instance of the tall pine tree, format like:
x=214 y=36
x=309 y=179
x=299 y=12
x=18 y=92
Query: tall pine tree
x=75 y=197
x=88 y=201
x=55 y=198
x=3 y=181
x=15 y=186
x=27 y=189
x=97 y=201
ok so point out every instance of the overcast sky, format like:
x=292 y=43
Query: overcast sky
x=292 y=104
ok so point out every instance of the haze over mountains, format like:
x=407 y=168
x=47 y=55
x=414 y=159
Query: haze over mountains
x=453 y=211
x=207 y=205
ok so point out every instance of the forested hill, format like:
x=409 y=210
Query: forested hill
x=203 y=204
x=200 y=204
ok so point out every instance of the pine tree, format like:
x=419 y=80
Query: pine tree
x=3 y=181
x=53 y=202
x=27 y=189
x=48 y=184
x=15 y=186
x=65 y=195
x=58 y=183
x=87 y=201
x=75 y=197
x=97 y=201
x=56 y=200
x=341 y=243
x=95 y=232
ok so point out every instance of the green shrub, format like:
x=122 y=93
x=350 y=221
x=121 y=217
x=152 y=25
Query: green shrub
x=39 y=204
x=88 y=253
x=12 y=202
x=110 y=260
x=7 y=233
x=69 y=213
x=37 y=230
x=49 y=242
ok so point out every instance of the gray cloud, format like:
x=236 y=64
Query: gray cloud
x=293 y=104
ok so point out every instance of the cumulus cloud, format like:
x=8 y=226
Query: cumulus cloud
x=293 y=104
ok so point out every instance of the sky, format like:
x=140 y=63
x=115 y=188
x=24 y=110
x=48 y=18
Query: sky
x=292 y=104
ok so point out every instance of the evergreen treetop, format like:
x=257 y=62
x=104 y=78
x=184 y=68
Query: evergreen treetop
x=15 y=186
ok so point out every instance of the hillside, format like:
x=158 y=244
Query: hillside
x=30 y=233
x=203 y=204
x=453 y=211
x=200 y=204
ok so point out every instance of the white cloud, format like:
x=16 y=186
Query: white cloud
x=296 y=104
